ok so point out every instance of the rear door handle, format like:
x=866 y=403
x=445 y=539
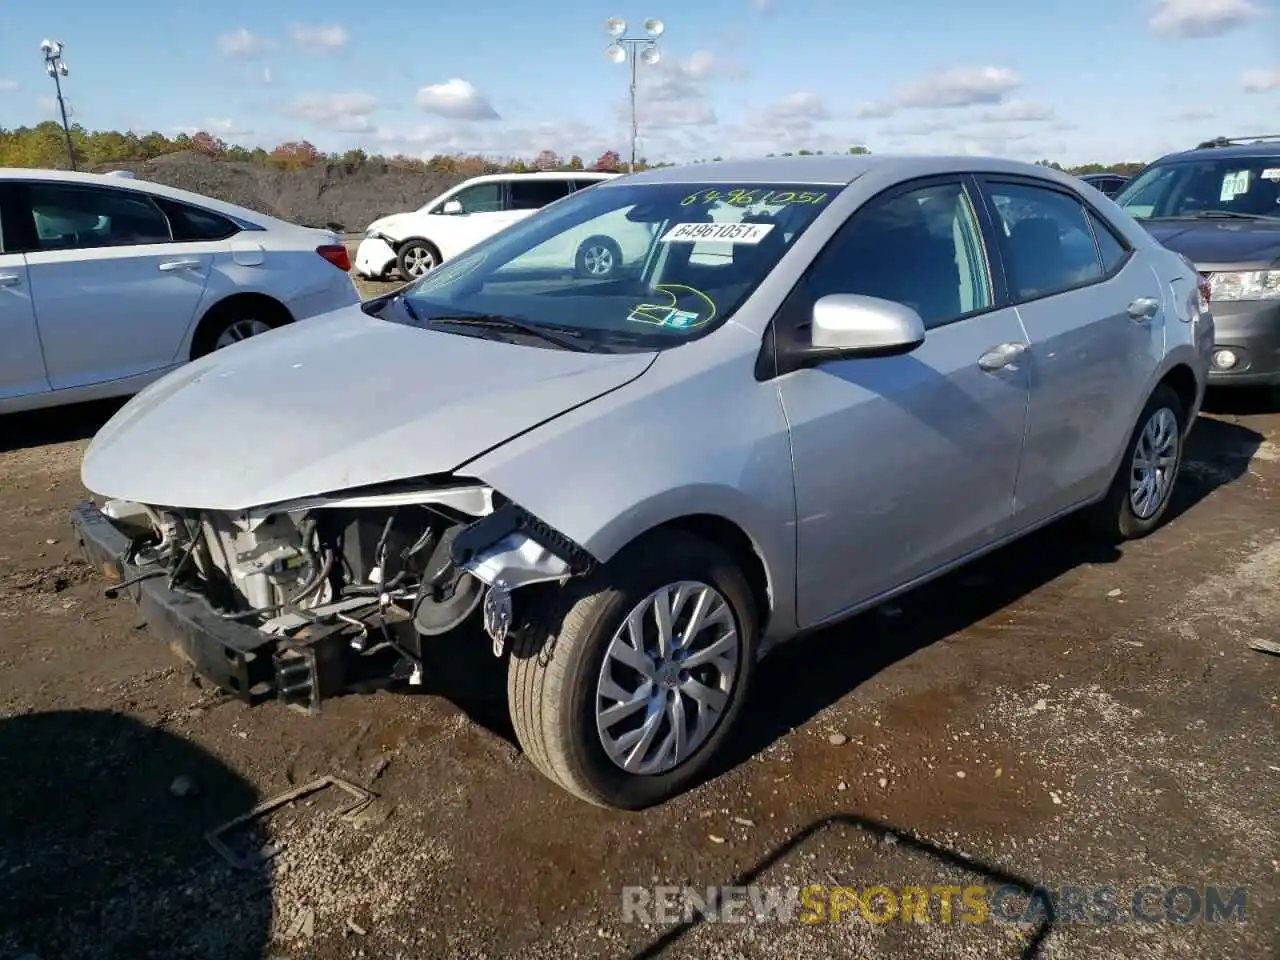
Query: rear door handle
x=170 y=265
x=1001 y=356
x=1143 y=309
x=9 y=279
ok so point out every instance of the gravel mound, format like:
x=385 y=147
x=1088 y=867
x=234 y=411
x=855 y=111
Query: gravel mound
x=352 y=195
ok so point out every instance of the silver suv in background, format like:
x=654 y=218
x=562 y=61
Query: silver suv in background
x=1219 y=205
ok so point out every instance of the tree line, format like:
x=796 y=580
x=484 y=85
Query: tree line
x=44 y=145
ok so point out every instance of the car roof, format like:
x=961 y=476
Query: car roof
x=543 y=175
x=837 y=169
x=118 y=182
x=1262 y=147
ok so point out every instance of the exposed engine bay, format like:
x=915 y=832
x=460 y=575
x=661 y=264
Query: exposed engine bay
x=353 y=586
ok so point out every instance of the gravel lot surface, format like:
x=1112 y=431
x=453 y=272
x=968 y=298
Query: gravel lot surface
x=1056 y=714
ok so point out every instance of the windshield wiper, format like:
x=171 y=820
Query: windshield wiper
x=1230 y=215
x=559 y=336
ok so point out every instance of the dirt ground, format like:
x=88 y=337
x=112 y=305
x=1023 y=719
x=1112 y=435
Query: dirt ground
x=1057 y=714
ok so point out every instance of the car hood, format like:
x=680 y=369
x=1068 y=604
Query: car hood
x=1220 y=242
x=339 y=401
x=392 y=224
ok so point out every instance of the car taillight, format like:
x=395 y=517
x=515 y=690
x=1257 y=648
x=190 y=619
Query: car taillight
x=336 y=254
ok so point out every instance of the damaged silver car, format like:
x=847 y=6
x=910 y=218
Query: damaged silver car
x=825 y=381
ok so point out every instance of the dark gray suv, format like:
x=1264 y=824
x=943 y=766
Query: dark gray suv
x=1219 y=206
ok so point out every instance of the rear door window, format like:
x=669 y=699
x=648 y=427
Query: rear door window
x=536 y=194
x=1048 y=245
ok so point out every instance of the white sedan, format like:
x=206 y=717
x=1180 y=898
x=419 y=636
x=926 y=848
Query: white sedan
x=107 y=282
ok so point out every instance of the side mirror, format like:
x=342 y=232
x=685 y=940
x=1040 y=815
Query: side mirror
x=451 y=208
x=849 y=325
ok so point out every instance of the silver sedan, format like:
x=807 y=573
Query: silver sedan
x=827 y=380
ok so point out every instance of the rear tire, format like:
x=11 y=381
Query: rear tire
x=559 y=683
x=237 y=320
x=598 y=258
x=1139 y=495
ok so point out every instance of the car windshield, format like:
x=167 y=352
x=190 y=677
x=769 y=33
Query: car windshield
x=620 y=266
x=1210 y=187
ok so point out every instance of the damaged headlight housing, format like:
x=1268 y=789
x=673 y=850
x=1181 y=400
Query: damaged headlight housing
x=1245 y=285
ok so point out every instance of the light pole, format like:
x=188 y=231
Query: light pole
x=56 y=67
x=630 y=50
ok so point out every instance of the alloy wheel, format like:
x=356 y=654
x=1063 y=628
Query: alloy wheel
x=667 y=677
x=418 y=261
x=598 y=260
x=1155 y=462
x=240 y=330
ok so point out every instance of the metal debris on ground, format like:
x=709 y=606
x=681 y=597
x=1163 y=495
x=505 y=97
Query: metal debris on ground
x=1266 y=646
x=362 y=798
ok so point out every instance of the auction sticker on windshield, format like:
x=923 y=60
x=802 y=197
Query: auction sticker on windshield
x=722 y=232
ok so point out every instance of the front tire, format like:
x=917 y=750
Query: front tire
x=415 y=258
x=1139 y=495
x=617 y=702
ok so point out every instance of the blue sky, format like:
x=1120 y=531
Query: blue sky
x=1104 y=80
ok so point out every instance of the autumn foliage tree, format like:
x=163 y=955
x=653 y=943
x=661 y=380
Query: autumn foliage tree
x=44 y=145
x=607 y=162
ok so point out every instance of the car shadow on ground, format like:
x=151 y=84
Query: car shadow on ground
x=1032 y=907
x=103 y=854
x=38 y=428
x=1242 y=401
x=851 y=653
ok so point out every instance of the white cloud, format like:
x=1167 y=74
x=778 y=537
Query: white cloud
x=1202 y=18
x=318 y=38
x=959 y=87
x=241 y=43
x=802 y=105
x=341 y=112
x=456 y=99
x=762 y=6
x=922 y=128
x=877 y=110
x=223 y=129
x=1017 y=111
x=499 y=140
x=267 y=75
x=1261 y=81
x=673 y=93
x=1193 y=114
x=7 y=86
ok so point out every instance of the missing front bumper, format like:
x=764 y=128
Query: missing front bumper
x=230 y=655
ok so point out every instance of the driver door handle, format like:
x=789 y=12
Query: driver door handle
x=1144 y=309
x=1001 y=356
x=9 y=279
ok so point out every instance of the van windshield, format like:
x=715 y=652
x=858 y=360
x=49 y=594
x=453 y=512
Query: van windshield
x=620 y=266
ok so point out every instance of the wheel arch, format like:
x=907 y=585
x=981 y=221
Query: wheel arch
x=735 y=541
x=242 y=299
x=1182 y=380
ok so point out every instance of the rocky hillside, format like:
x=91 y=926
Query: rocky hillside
x=348 y=194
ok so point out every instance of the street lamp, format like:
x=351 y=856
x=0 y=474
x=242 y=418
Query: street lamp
x=630 y=50
x=56 y=67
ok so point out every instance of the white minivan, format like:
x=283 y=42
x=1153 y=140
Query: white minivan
x=415 y=242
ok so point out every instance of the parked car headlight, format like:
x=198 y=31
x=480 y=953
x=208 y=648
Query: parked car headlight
x=1246 y=285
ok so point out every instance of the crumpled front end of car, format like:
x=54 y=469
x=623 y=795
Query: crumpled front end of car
x=307 y=599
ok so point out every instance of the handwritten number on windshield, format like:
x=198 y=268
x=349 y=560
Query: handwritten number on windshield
x=747 y=198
